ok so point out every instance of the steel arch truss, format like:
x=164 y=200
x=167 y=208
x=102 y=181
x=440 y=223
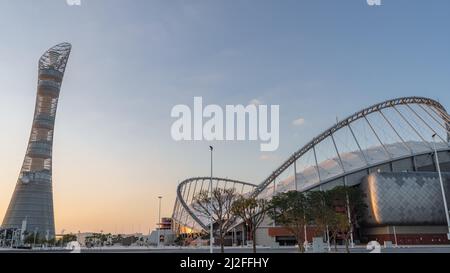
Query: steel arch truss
x=432 y=109
x=185 y=219
x=390 y=131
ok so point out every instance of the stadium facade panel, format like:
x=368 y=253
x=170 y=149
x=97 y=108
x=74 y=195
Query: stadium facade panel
x=405 y=198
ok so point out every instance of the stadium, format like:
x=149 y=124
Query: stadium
x=388 y=150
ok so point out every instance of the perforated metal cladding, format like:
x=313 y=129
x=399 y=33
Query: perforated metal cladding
x=405 y=198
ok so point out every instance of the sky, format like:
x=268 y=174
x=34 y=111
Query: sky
x=133 y=60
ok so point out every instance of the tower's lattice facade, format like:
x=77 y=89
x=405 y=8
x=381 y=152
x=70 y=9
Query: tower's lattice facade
x=32 y=199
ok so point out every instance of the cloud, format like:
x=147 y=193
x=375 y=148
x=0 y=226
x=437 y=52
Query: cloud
x=255 y=102
x=298 y=122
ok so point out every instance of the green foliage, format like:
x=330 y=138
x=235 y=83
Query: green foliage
x=252 y=211
x=67 y=238
x=292 y=211
x=325 y=209
x=32 y=238
x=348 y=199
x=219 y=207
x=289 y=207
x=321 y=210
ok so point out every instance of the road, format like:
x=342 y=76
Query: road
x=236 y=250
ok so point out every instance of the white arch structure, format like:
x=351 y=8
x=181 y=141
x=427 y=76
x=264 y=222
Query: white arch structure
x=184 y=216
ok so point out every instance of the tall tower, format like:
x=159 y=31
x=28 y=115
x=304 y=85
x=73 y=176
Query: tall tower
x=32 y=199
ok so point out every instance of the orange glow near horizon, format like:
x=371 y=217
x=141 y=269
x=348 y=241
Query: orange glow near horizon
x=186 y=230
x=94 y=197
x=373 y=198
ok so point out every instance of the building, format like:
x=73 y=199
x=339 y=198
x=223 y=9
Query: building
x=405 y=207
x=166 y=223
x=32 y=200
x=387 y=149
x=166 y=237
x=163 y=233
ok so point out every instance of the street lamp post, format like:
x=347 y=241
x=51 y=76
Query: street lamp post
x=101 y=238
x=35 y=234
x=352 y=243
x=62 y=238
x=442 y=187
x=395 y=237
x=159 y=221
x=211 y=237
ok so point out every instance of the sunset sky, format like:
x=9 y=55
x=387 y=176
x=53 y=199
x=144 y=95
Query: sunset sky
x=133 y=60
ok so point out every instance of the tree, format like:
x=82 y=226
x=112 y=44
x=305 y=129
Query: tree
x=28 y=238
x=338 y=224
x=252 y=212
x=291 y=210
x=349 y=202
x=218 y=206
x=67 y=238
x=321 y=210
x=180 y=240
x=51 y=241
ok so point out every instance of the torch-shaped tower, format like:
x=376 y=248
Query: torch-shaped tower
x=32 y=199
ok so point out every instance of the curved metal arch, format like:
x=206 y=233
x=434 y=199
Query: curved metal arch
x=194 y=179
x=345 y=122
x=56 y=57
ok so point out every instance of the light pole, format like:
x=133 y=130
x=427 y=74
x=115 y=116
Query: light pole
x=442 y=186
x=62 y=238
x=395 y=237
x=35 y=234
x=159 y=221
x=306 y=233
x=211 y=237
x=328 y=239
x=352 y=244
x=101 y=238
